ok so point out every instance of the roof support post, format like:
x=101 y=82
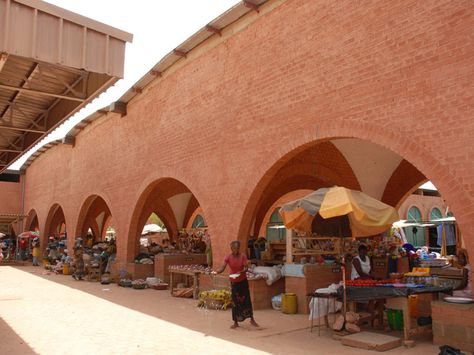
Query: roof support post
x=250 y=5
x=214 y=30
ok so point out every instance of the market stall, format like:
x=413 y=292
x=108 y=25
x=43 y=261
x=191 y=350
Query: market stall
x=326 y=216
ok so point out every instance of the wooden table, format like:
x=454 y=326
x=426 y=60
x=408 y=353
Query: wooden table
x=402 y=303
x=194 y=274
x=397 y=298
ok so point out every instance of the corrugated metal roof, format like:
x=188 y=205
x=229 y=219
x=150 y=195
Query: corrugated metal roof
x=52 y=63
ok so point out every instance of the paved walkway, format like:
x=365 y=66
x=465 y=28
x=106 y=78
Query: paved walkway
x=53 y=314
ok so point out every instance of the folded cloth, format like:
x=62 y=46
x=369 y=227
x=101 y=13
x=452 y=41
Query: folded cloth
x=323 y=306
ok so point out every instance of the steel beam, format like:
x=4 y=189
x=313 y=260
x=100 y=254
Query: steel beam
x=3 y=150
x=41 y=93
x=21 y=129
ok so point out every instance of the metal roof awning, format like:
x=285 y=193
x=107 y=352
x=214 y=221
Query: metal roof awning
x=52 y=63
x=6 y=219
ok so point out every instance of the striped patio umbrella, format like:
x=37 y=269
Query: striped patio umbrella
x=337 y=211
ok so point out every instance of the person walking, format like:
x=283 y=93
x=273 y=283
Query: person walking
x=242 y=304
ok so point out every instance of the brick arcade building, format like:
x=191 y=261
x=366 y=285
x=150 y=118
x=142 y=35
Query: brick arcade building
x=295 y=96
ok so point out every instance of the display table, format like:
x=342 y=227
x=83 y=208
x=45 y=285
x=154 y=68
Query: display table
x=140 y=271
x=195 y=276
x=315 y=277
x=396 y=298
x=261 y=294
x=365 y=293
x=164 y=260
x=453 y=324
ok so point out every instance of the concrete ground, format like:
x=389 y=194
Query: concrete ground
x=53 y=314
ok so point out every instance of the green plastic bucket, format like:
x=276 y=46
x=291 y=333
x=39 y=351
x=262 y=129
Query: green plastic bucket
x=395 y=319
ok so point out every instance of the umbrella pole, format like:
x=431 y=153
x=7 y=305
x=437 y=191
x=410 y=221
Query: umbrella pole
x=343 y=268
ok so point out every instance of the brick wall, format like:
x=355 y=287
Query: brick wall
x=397 y=74
x=453 y=325
x=10 y=197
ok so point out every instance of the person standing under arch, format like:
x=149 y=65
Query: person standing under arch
x=242 y=304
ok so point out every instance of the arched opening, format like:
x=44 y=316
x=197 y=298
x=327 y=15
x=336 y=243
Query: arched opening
x=425 y=207
x=95 y=218
x=55 y=224
x=154 y=237
x=198 y=222
x=32 y=223
x=350 y=162
x=171 y=203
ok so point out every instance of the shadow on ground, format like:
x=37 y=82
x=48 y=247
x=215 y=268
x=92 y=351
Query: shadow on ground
x=280 y=334
x=11 y=342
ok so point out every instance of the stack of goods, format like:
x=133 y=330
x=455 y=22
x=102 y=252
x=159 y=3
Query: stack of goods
x=350 y=324
x=215 y=299
x=193 y=268
x=193 y=241
x=421 y=276
x=431 y=260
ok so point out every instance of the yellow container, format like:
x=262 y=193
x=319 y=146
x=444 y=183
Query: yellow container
x=289 y=304
x=413 y=306
x=66 y=270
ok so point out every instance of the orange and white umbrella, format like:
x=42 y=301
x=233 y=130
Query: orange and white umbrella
x=338 y=211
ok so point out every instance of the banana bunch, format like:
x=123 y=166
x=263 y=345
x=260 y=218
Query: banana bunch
x=223 y=296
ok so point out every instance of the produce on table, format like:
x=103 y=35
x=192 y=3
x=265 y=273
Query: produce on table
x=369 y=282
x=198 y=268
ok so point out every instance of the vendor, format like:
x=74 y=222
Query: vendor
x=361 y=264
x=465 y=290
x=242 y=304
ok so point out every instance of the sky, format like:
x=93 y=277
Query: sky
x=158 y=26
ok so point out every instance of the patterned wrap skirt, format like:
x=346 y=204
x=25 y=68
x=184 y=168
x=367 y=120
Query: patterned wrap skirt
x=242 y=308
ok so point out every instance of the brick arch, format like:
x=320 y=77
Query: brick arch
x=197 y=211
x=193 y=205
x=54 y=219
x=154 y=199
x=449 y=185
x=290 y=196
x=32 y=222
x=404 y=180
x=91 y=208
x=322 y=165
x=296 y=182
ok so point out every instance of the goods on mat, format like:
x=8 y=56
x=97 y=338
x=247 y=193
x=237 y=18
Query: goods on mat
x=125 y=283
x=139 y=284
x=215 y=299
x=161 y=286
x=195 y=268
